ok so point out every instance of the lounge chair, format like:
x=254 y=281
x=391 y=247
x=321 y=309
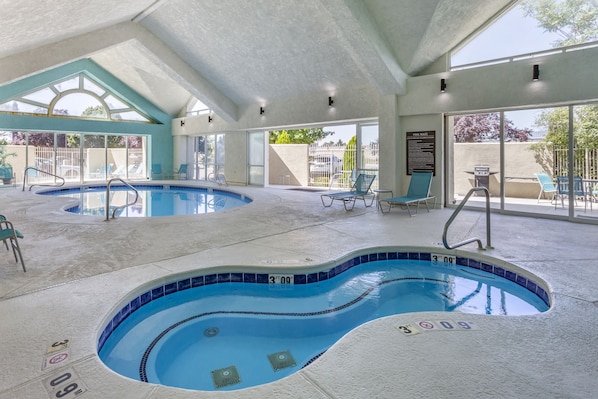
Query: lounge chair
x=546 y=186
x=9 y=234
x=359 y=190
x=418 y=192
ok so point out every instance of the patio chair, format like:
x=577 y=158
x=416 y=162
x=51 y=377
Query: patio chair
x=562 y=191
x=359 y=190
x=178 y=173
x=418 y=192
x=8 y=234
x=546 y=185
x=157 y=171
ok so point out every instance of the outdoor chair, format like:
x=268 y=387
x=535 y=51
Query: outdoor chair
x=157 y=171
x=562 y=191
x=546 y=186
x=8 y=234
x=359 y=190
x=418 y=192
x=178 y=173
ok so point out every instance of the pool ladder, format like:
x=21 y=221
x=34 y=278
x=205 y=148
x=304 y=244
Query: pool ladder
x=108 y=197
x=454 y=215
x=218 y=178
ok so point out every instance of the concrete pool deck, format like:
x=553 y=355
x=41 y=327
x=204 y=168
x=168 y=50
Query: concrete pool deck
x=79 y=268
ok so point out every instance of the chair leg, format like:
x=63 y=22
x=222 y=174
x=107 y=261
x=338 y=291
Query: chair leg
x=16 y=249
x=352 y=204
x=382 y=208
x=323 y=203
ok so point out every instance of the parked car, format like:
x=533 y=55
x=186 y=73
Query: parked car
x=324 y=166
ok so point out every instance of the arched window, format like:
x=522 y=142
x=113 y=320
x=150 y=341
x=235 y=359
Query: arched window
x=78 y=97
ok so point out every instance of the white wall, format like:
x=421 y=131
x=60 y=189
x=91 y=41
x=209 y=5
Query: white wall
x=564 y=78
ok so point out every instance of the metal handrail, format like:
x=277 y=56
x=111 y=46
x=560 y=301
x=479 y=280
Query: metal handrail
x=108 y=197
x=217 y=178
x=454 y=215
x=41 y=185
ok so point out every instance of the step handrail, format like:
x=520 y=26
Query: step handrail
x=41 y=184
x=219 y=178
x=456 y=212
x=108 y=197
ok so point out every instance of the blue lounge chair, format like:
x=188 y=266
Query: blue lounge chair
x=546 y=186
x=418 y=192
x=360 y=190
x=9 y=234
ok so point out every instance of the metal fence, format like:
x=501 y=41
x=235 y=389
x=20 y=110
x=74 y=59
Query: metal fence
x=337 y=166
x=585 y=163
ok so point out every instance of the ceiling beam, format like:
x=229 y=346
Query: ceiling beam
x=46 y=57
x=362 y=39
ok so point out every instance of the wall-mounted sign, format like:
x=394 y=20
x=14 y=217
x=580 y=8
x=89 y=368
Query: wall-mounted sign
x=421 y=152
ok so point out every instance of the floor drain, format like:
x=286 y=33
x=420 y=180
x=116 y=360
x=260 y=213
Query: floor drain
x=225 y=377
x=281 y=360
x=211 y=331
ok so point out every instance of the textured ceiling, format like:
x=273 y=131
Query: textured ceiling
x=230 y=53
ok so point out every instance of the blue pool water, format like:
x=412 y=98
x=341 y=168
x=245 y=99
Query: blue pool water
x=163 y=200
x=229 y=331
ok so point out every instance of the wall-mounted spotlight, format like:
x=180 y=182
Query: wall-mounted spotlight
x=210 y=119
x=536 y=73
x=442 y=85
x=182 y=123
x=262 y=110
x=330 y=101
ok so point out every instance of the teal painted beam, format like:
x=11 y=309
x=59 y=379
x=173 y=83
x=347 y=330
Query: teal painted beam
x=43 y=123
x=96 y=72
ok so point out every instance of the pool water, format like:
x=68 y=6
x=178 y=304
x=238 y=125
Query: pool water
x=167 y=200
x=228 y=336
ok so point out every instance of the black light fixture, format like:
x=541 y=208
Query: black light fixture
x=442 y=85
x=536 y=74
x=262 y=110
x=330 y=101
x=182 y=123
x=210 y=119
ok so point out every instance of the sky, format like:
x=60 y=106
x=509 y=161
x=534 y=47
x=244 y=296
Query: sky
x=513 y=34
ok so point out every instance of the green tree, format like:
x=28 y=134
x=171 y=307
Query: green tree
x=283 y=138
x=585 y=126
x=575 y=21
x=349 y=161
x=300 y=136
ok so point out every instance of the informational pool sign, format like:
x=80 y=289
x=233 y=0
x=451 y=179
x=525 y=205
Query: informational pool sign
x=421 y=150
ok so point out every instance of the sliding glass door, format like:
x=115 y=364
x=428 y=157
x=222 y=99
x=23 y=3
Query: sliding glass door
x=535 y=161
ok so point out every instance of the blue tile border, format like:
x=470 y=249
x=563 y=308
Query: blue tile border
x=314 y=277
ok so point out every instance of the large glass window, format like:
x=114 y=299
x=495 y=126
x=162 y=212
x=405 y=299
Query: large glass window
x=47 y=155
x=536 y=161
x=209 y=155
x=545 y=25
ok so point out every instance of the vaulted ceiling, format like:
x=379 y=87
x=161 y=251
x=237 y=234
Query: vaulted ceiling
x=231 y=53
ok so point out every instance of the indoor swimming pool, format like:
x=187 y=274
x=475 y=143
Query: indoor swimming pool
x=153 y=201
x=228 y=330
